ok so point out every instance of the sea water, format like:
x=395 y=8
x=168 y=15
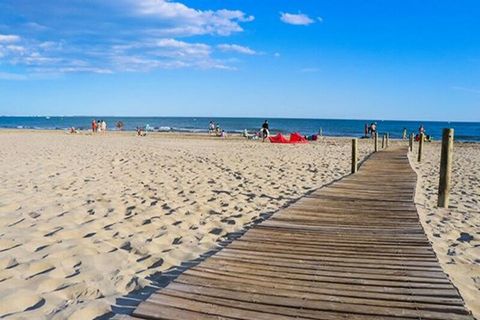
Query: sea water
x=464 y=131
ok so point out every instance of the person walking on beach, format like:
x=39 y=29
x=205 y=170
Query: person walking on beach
x=104 y=126
x=94 y=126
x=265 y=131
x=211 y=127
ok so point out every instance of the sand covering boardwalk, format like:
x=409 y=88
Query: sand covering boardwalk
x=352 y=250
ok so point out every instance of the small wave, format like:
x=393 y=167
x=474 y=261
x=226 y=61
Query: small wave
x=193 y=130
x=467 y=138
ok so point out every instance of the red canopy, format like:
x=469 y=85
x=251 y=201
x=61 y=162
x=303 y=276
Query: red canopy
x=294 y=138
x=279 y=138
x=297 y=138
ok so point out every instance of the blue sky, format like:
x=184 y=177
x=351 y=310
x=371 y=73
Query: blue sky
x=416 y=60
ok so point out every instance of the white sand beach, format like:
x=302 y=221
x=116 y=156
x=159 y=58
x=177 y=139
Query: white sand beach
x=454 y=232
x=86 y=219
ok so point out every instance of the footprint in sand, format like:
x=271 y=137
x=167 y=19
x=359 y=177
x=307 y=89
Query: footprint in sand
x=8 y=263
x=22 y=300
x=6 y=244
x=37 y=268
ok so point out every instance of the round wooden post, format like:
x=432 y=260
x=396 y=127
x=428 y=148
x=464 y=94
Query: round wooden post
x=383 y=140
x=354 y=155
x=387 y=139
x=420 y=147
x=410 y=142
x=445 y=168
x=376 y=141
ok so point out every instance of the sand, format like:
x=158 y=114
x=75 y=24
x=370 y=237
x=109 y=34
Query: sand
x=86 y=219
x=454 y=232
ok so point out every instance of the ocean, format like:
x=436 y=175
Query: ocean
x=464 y=131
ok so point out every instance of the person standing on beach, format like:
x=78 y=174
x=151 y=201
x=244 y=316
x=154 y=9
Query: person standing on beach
x=104 y=126
x=404 y=134
x=211 y=127
x=265 y=130
x=373 y=129
x=421 y=129
x=94 y=126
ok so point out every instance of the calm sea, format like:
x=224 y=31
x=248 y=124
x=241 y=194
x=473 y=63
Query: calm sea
x=464 y=131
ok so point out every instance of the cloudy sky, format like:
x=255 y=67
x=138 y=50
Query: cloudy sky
x=299 y=58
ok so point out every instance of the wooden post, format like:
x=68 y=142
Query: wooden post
x=376 y=141
x=387 y=139
x=420 y=147
x=354 y=155
x=383 y=140
x=445 y=168
x=410 y=142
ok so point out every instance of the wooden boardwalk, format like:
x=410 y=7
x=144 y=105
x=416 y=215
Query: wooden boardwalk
x=352 y=250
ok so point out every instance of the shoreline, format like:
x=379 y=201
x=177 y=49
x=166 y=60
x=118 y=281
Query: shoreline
x=188 y=134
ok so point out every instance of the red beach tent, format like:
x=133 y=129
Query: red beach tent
x=294 y=138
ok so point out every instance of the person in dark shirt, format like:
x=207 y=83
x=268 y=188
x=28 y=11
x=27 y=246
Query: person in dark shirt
x=265 y=131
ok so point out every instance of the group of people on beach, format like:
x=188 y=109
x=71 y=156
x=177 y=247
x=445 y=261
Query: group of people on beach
x=421 y=131
x=263 y=133
x=215 y=129
x=370 y=129
x=99 y=126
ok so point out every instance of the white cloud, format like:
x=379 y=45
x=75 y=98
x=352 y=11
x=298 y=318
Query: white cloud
x=276 y=54
x=180 y=20
x=150 y=42
x=164 y=54
x=8 y=38
x=236 y=48
x=181 y=49
x=296 y=19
